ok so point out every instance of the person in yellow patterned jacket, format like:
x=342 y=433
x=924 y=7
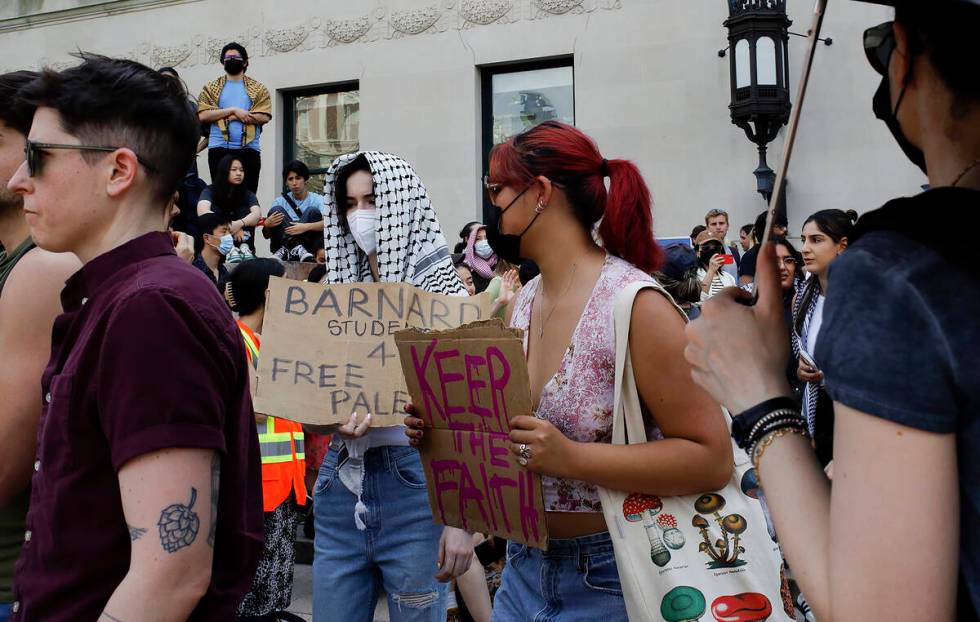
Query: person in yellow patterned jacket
x=283 y=458
x=237 y=107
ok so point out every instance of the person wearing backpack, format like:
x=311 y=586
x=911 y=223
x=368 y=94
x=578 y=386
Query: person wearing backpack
x=894 y=536
x=294 y=226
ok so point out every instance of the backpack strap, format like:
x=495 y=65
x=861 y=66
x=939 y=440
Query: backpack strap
x=292 y=204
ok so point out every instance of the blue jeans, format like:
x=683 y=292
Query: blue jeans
x=397 y=552
x=5 y=611
x=575 y=579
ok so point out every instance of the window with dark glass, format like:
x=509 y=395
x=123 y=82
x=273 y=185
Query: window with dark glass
x=521 y=95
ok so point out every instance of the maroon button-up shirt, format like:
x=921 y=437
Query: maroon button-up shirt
x=146 y=357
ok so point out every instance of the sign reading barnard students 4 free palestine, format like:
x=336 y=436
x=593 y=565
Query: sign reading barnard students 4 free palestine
x=329 y=350
x=467 y=384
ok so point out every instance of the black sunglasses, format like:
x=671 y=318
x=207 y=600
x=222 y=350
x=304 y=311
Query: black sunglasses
x=34 y=151
x=879 y=43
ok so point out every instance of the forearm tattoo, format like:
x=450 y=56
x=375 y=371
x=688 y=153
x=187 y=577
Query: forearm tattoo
x=179 y=525
x=135 y=533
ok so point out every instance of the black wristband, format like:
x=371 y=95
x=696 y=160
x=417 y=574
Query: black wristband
x=744 y=422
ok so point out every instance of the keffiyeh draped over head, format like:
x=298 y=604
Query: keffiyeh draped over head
x=411 y=246
x=483 y=267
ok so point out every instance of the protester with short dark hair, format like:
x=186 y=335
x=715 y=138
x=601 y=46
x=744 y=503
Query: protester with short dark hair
x=745 y=239
x=548 y=192
x=211 y=247
x=746 y=269
x=31 y=280
x=897 y=353
x=233 y=201
x=464 y=273
x=281 y=444
x=294 y=225
x=174 y=519
x=236 y=106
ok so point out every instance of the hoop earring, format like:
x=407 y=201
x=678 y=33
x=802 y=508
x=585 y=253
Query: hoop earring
x=540 y=207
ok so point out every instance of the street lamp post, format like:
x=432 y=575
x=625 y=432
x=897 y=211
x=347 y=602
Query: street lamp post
x=758 y=36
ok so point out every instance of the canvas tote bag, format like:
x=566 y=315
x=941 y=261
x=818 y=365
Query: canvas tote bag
x=685 y=558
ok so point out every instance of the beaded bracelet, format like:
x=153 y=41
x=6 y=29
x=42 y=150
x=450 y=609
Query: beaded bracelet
x=747 y=420
x=760 y=447
x=777 y=416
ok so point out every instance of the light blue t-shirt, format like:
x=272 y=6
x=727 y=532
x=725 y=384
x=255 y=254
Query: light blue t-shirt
x=313 y=201
x=233 y=95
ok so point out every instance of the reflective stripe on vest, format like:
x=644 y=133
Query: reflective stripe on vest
x=277 y=447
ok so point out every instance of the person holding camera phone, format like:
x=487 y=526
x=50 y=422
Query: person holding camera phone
x=713 y=259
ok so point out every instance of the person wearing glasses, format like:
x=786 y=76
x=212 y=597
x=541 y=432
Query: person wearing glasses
x=548 y=189
x=898 y=361
x=236 y=106
x=146 y=493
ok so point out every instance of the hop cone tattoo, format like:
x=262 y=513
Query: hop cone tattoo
x=179 y=525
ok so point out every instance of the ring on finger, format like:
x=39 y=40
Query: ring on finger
x=525 y=452
x=522 y=461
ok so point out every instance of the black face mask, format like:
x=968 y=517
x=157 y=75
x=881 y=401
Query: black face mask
x=507 y=246
x=883 y=110
x=234 y=66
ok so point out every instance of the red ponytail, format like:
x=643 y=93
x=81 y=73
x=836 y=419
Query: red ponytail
x=567 y=156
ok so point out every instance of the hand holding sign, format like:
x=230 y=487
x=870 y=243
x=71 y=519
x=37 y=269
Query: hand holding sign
x=545 y=448
x=467 y=385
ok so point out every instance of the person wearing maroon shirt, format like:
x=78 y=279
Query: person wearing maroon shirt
x=146 y=500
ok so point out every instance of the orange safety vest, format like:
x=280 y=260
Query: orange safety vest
x=281 y=444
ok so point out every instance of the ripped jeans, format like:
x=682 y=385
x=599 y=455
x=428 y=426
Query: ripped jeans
x=575 y=580
x=397 y=551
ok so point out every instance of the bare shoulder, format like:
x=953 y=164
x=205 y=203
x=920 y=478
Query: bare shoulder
x=654 y=312
x=37 y=279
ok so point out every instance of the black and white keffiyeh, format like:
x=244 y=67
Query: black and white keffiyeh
x=411 y=246
x=806 y=304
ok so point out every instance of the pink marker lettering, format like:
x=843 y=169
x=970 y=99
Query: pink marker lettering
x=497 y=385
x=468 y=492
x=447 y=378
x=429 y=399
x=473 y=364
x=439 y=468
x=490 y=500
x=496 y=450
x=496 y=485
x=529 y=515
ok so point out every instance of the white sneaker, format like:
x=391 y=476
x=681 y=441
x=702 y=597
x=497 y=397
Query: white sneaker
x=282 y=254
x=246 y=253
x=300 y=253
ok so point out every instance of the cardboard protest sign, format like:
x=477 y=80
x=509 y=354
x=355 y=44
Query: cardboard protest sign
x=467 y=384
x=329 y=350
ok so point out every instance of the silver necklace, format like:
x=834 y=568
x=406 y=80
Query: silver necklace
x=975 y=164
x=571 y=277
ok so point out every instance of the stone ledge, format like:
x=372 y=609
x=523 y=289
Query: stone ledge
x=47 y=12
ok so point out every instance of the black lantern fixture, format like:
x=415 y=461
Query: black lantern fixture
x=758 y=36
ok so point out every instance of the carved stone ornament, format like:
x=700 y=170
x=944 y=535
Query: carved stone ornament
x=170 y=56
x=484 y=12
x=347 y=31
x=285 y=39
x=416 y=21
x=558 y=7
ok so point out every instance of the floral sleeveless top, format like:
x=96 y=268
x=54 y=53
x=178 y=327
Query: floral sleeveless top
x=578 y=399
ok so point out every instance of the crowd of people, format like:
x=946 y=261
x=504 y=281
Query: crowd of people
x=138 y=483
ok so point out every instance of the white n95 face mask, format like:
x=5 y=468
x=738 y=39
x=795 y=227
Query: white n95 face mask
x=364 y=227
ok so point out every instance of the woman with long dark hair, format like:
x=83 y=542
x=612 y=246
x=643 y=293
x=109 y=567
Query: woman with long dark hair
x=228 y=195
x=548 y=189
x=825 y=236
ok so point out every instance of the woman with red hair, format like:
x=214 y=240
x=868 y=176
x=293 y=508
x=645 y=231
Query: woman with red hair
x=548 y=187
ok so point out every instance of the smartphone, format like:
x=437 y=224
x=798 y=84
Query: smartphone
x=729 y=259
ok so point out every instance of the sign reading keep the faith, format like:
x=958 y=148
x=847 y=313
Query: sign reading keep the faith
x=329 y=350
x=467 y=384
